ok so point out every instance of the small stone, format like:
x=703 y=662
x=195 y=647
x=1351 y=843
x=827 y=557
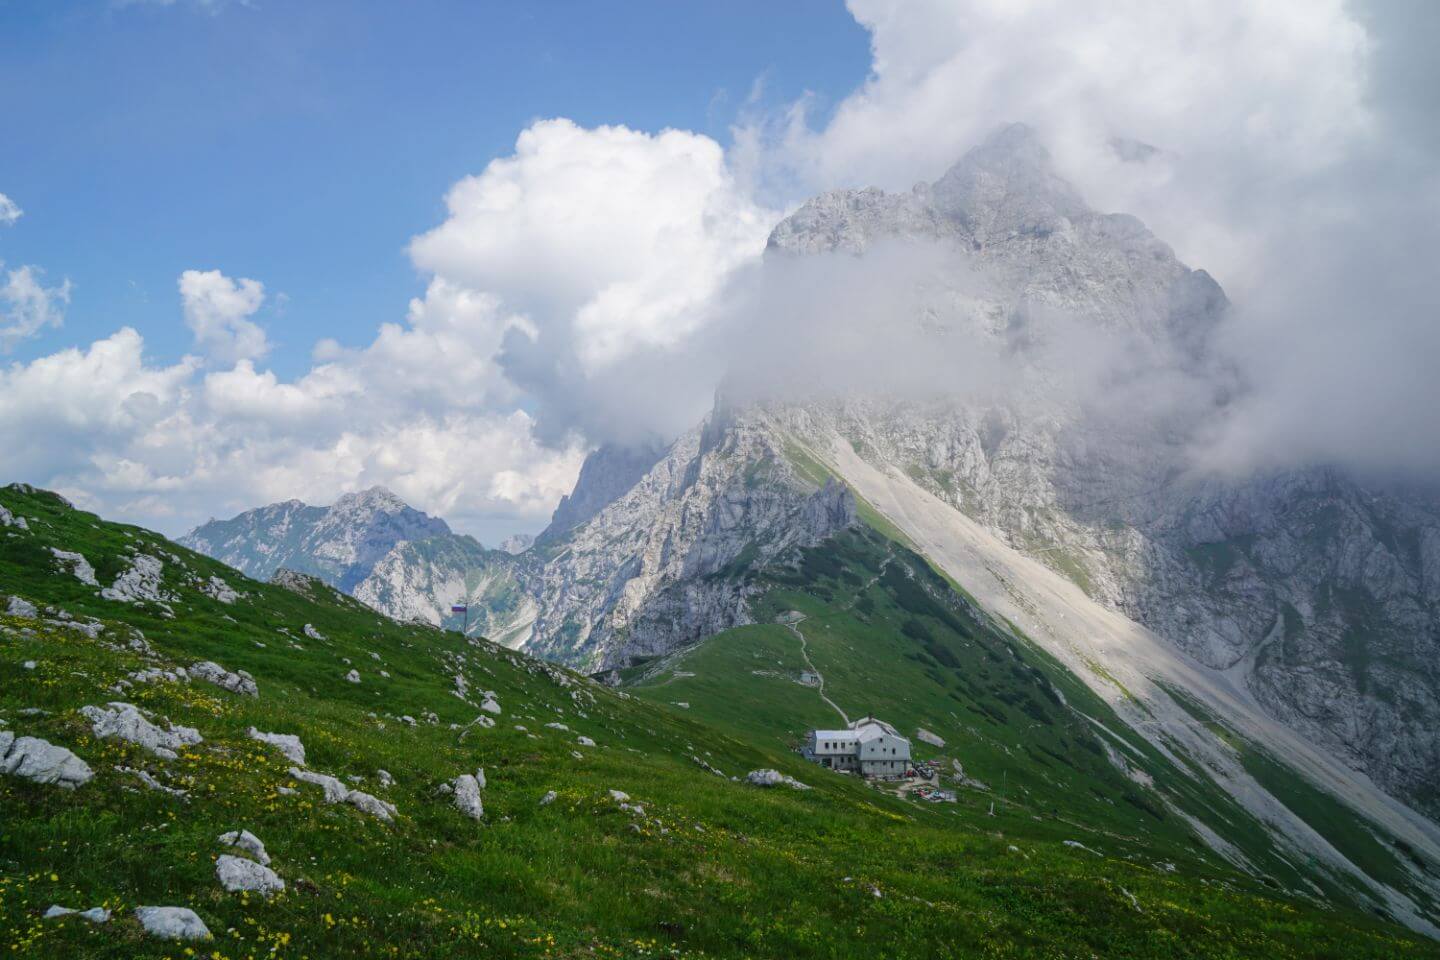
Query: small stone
x=236 y=682
x=353 y=676
x=172 y=923
x=467 y=796
x=287 y=743
x=21 y=608
x=237 y=874
x=247 y=841
x=548 y=799
x=94 y=914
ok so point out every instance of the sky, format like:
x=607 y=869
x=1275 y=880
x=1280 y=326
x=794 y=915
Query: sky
x=259 y=250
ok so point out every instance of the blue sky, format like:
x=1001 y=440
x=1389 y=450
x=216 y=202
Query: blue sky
x=305 y=143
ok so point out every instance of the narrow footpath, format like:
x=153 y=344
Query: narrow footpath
x=794 y=624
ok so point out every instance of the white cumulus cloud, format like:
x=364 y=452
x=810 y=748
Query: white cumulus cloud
x=9 y=211
x=218 y=310
x=27 y=307
x=608 y=242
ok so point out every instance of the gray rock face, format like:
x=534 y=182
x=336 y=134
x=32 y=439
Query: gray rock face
x=422 y=579
x=606 y=475
x=41 y=761
x=663 y=564
x=172 y=923
x=517 y=543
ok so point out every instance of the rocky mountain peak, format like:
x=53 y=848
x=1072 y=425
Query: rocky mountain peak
x=375 y=499
x=607 y=472
x=339 y=544
x=1007 y=186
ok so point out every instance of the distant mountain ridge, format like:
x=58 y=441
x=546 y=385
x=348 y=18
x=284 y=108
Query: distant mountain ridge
x=374 y=546
x=340 y=544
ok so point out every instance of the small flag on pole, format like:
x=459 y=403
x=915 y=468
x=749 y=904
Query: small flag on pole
x=459 y=608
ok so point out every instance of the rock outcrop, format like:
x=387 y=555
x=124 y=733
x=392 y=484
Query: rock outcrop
x=124 y=721
x=42 y=761
x=237 y=681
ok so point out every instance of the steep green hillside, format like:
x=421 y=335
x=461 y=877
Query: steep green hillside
x=1025 y=743
x=692 y=864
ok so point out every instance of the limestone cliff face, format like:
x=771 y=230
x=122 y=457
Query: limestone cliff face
x=665 y=564
x=605 y=475
x=423 y=579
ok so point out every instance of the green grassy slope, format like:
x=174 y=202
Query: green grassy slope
x=713 y=867
x=1043 y=755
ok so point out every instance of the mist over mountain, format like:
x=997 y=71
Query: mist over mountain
x=1051 y=373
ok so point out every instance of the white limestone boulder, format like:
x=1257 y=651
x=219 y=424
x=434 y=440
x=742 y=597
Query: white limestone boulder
x=773 y=778
x=42 y=761
x=247 y=841
x=21 y=608
x=124 y=721
x=287 y=743
x=172 y=923
x=238 y=874
x=466 y=796
x=237 y=681
x=78 y=565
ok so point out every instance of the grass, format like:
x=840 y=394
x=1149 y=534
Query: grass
x=919 y=655
x=713 y=868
